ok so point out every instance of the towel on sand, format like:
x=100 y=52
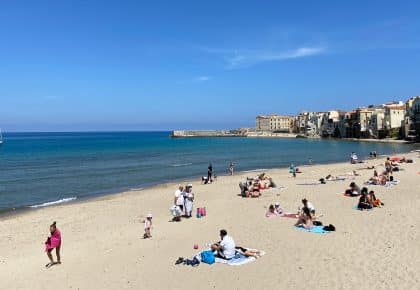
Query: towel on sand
x=315 y=229
x=237 y=260
x=289 y=215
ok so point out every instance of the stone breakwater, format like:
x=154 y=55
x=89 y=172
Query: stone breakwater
x=227 y=133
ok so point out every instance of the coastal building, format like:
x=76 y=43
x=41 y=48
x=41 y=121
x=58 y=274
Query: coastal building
x=333 y=124
x=274 y=123
x=394 y=118
x=377 y=123
x=412 y=119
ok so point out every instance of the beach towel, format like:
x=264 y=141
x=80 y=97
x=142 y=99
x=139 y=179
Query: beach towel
x=54 y=241
x=238 y=259
x=315 y=230
x=289 y=215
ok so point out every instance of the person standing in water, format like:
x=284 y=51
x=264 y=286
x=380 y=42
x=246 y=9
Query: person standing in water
x=231 y=167
x=53 y=241
x=210 y=173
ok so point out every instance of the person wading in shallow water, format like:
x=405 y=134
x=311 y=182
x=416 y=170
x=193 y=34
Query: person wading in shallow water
x=231 y=167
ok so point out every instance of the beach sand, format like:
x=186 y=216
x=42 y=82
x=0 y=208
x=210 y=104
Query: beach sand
x=103 y=246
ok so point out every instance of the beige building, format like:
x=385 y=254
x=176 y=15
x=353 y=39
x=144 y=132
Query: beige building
x=412 y=118
x=274 y=123
x=394 y=116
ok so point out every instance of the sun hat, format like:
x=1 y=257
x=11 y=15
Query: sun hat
x=149 y=215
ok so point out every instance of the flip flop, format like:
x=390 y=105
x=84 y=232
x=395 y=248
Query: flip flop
x=49 y=265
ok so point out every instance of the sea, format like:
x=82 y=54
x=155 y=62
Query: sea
x=43 y=169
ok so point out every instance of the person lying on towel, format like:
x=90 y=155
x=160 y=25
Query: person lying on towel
x=225 y=249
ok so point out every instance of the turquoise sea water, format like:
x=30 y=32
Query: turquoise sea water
x=37 y=169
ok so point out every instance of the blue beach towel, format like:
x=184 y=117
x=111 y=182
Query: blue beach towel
x=315 y=229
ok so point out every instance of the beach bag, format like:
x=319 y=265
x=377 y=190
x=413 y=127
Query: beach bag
x=207 y=257
x=329 y=228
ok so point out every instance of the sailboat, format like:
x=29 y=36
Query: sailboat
x=1 y=138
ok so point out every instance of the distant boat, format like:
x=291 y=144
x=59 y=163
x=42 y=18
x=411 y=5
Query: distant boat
x=1 y=138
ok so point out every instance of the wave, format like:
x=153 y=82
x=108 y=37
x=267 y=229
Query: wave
x=255 y=170
x=53 y=202
x=179 y=165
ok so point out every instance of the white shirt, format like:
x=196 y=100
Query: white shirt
x=228 y=246
x=310 y=206
x=179 y=197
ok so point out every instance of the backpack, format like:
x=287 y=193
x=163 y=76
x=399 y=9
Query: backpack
x=329 y=228
x=207 y=257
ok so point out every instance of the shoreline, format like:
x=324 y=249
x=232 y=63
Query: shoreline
x=103 y=246
x=10 y=212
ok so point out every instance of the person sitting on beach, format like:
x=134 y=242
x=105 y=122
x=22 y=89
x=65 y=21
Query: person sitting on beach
x=277 y=208
x=375 y=202
x=263 y=184
x=271 y=211
x=354 y=190
x=271 y=183
x=225 y=249
x=148 y=226
x=53 y=241
x=248 y=252
x=254 y=190
x=364 y=203
x=308 y=205
x=305 y=219
x=176 y=213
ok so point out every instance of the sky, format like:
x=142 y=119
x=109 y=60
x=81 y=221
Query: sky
x=165 y=65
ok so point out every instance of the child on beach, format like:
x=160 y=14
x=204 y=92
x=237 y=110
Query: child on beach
x=148 y=226
x=231 y=167
x=54 y=241
x=292 y=170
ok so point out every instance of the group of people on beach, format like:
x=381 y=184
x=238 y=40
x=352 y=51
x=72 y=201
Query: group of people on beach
x=182 y=203
x=254 y=186
x=226 y=248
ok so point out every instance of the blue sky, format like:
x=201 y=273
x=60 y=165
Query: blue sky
x=138 y=65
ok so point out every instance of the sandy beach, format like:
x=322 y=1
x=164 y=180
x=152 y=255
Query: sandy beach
x=103 y=246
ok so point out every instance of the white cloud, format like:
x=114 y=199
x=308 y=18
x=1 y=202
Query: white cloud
x=251 y=57
x=202 y=78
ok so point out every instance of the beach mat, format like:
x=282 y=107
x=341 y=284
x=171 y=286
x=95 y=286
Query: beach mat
x=315 y=230
x=238 y=259
x=289 y=215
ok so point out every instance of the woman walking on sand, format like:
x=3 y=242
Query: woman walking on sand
x=54 y=241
